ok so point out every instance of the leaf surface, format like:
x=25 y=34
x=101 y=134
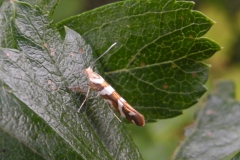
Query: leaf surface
x=39 y=111
x=216 y=133
x=236 y=157
x=6 y=37
x=156 y=65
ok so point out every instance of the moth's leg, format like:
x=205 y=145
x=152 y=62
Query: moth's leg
x=117 y=117
x=113 y=112
x=84 y=99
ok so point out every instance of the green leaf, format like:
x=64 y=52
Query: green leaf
x=157 y=64
x=38 y=112
x=6 y=37
x=216 y=133
x=236 y=157
x=46 y=5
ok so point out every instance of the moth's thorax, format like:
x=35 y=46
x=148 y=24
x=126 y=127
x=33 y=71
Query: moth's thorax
x=96 y=82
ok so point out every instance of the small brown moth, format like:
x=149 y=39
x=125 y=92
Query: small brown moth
x=110 y=96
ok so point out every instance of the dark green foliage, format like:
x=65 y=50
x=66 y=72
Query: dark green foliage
x=215 y=134
x=156 y=66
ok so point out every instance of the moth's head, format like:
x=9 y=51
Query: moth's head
x=88 y=72
x=93 y=76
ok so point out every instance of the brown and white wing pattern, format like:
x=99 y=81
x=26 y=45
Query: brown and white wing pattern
x=115 y=101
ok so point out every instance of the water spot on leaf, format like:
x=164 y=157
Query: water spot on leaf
x=210 y=112
x=52 y=52
x=190 y=36
x=142 y=64
x=193 y=75
x=209 y=134
x=72 y=54
x=49 y=82
x=165 y=86
x=80 y=50
x=53 y=87
x=181 y=17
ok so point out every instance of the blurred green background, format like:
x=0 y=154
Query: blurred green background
x=157 y=141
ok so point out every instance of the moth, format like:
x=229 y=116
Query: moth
x=110 y=96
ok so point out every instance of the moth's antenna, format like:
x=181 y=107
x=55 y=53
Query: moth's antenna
x=103 y=53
